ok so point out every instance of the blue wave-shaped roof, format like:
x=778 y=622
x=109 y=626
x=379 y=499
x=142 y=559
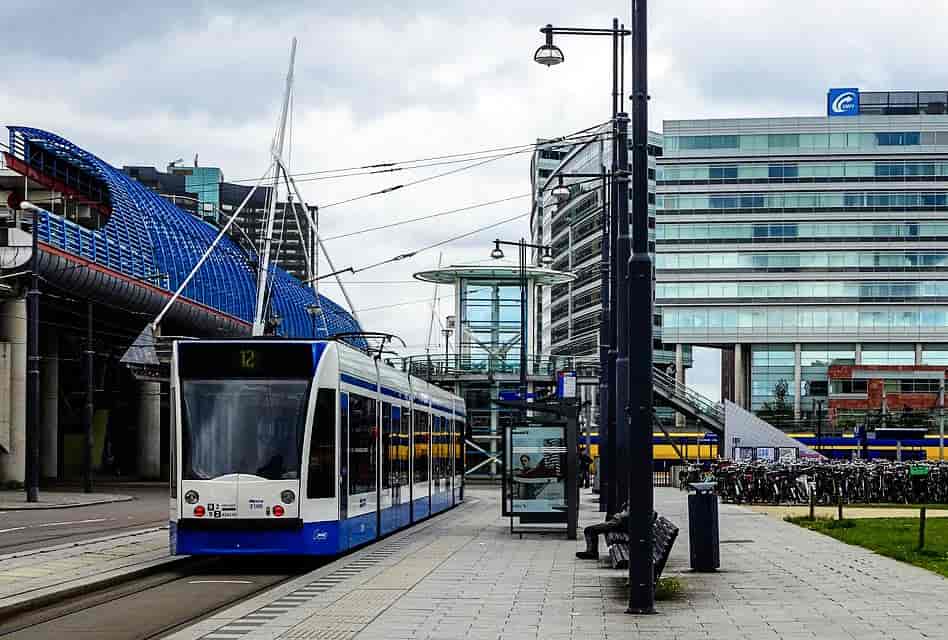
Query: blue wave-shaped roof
x=149 y=239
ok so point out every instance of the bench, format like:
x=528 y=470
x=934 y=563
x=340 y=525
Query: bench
x=664 y=533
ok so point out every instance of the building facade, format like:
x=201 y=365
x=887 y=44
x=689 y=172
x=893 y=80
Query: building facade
x=794 y=243
x=571 y=312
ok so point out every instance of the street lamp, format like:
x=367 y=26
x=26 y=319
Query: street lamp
x=313 y=310
x=522 y=247
x=33 y=358
x=560 y=192
x=629 y=390
x=548 y=54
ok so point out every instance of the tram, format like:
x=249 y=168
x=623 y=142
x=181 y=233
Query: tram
x=307 y=447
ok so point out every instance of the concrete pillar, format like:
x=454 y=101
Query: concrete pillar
x=858 y=353
x=13 y=332
x=49 y=387
x=739 y=379
x=797 y=380
x=918 y=353
x=680 y=378
x=149 y=430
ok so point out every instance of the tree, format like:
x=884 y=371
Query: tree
x=778 y=411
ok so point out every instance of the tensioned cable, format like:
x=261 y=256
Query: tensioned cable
x=412 y=254
x=428 y=217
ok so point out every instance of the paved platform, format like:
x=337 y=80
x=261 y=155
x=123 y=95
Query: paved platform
x=464 y=576
x=28 y=578
x=16 y=500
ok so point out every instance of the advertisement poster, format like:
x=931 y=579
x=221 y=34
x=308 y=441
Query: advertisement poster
x=537 y=472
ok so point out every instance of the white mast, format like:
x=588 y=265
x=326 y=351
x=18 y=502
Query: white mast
x=276 y=150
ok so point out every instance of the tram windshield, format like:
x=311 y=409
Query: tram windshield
x=251 y=426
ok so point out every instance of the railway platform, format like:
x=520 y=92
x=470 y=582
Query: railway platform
x=462 y=575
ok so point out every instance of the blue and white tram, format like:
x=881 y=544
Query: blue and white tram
x=304 y=447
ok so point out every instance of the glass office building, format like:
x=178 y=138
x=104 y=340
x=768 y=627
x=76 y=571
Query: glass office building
x=792 y=243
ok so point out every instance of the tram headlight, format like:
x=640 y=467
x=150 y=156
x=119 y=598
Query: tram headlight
x=288 y=497
x=191 y=497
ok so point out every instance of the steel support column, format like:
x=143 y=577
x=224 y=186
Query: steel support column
x=640 y=282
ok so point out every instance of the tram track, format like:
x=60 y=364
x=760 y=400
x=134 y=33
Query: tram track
x=152 y=606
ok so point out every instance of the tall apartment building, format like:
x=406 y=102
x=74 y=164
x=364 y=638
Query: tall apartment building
x=203 y=192
x=791 y=243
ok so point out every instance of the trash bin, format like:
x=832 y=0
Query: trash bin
x=703 y=527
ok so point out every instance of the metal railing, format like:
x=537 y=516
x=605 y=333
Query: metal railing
x=457 y=365
x=669 y=387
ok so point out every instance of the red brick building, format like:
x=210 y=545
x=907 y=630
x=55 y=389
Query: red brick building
x=895 y=389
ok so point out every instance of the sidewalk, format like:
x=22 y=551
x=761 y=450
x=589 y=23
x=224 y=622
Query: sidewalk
x=464 y=576
x=38 y=576
x=16 y=500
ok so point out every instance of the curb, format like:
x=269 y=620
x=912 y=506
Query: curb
x=16 y=506
x=42 y=597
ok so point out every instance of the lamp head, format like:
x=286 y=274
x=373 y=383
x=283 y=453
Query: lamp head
x=560 y=193
x=548 y=54
x=547 y=258
x=497 y=253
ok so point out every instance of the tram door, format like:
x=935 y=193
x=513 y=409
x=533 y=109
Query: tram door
x=343 y=455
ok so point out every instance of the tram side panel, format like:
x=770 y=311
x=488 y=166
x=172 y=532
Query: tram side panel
x=457 y=453
x=358 y=383
x=395 y=454
x=442 y=410
x=421 y=460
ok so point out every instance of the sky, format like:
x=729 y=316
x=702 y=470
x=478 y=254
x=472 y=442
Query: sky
x=146 y=83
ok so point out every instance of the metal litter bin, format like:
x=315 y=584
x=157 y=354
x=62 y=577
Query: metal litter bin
x=703 y=527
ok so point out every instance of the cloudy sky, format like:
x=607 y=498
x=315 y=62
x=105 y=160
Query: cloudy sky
x=148 y=82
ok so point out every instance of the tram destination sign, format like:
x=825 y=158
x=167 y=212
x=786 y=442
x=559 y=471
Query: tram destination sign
x=198 y=360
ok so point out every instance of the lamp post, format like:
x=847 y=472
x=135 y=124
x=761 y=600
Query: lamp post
x=613 y=441
x=630 y=383
x=446 y=332
x=450 y=323
x=546 y=259
x=32 y=358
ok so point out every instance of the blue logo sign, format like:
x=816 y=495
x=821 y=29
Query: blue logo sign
x=842 y=102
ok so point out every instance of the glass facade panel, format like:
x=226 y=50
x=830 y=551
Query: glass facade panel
x=772 y=380
x=888 y=354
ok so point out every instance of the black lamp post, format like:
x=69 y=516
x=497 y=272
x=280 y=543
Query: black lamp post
x=33 y=360
x=613 y=441
x=630 y=383
x=546 y=259
x=446 y=332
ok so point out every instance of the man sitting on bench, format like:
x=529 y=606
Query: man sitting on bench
x=618 y=523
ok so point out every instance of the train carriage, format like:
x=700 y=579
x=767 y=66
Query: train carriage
x=304 y=447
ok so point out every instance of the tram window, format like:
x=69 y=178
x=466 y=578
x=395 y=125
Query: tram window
x=442 y=444
x=436 y=448
x=322 y=447
x=362 y=442
x=421 y=436
x=388 y=447
x=458 y=448
x=252 y=426
x=404 y=441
